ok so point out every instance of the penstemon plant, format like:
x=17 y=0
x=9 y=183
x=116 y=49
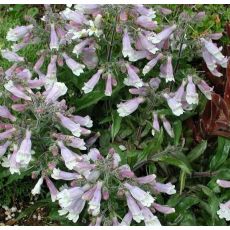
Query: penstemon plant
x=132 y=49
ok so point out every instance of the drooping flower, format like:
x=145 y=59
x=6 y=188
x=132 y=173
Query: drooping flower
x=11 y=56
x=10 y=161
x=95 y=202
x=70 y=125
x=205 y=89
x=4 y=147
x=163 y=35
x=89 y=85
x=133 y=79
x=18 y=33
x=166 y=70
x=128 y=107
x=191 y=94
x=24 y=153
x=53 y=190
x=58 y=89
x=224 y=211
x=146 y=22
x=143 y=197
x=76 y=67
x=167 y=126
x=223 y=183
x=54 y=44
x=149 y=66
x=5 y=113
x=174 y=105
x=37 y=188
x=149 y=218
x=134 y=209
x=61 y=175
x=163 y=208
x=165 y=188
x=68 y=156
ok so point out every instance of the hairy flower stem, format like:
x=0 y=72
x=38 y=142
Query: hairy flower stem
x=203 y=174
x=180 y=50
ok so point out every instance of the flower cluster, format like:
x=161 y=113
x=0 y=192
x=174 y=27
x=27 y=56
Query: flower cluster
x=97 y=180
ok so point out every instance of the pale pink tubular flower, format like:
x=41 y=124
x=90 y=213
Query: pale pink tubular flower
x=80 y=46
x=70 y=125
x=149 y=66
x=58 y=89
x=88 y=195
x=90 y=58
x=174 y=105
x=142 y=91
x=191 y=94
x=166 y=70
x=164 y=188
x=83 y=121
x=134 y=209
x=11 y=56
x=94 y=154
x=149 y=218
x=58 y=174
x=37 y=188
x=205 y=89
x=163 y=35
x=11 y=70
x=154 y=82
x=128 y=51
x=70 y=158
x=146 y=179
x=76 y=67
x=51 y=72
x=19 y=107
x=53 y=190
x=18 y=33
x=133 y=79
x=36 y=83
x=140 y=195
x=38 y=66
x=10 y=162
x=54 y=44
x=141 y=9
x=4 y=147
x=7 y=134
x=24 y=74
x=127 y=219
x=115 y=157
x=223 y=183
x=23 y=155
x=125 y=172
x=95 y=202
x=89 y=85
x=5 y=113
x=224 y=211
x=146 y=22
x=128 y=107
x=76 y=142
x=110 y=82
x=215 y=52
x=75 y=16
x=156 y=125
x=84 y=131
x=163 y=208
x=146 y=44
x=167 y=126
